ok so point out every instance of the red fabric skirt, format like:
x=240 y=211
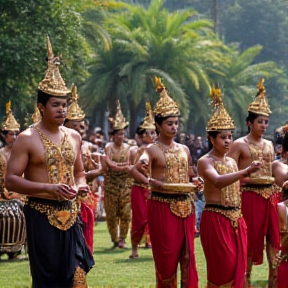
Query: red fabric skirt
x=225 y=249
x=172 y=239
x=283 y=275
x=261 y=217
x=139 y=225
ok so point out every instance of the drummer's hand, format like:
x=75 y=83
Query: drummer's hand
x=63 y=191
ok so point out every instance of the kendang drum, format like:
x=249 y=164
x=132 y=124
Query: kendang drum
x=12 y=226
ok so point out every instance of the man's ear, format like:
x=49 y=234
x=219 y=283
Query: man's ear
x=41 y=108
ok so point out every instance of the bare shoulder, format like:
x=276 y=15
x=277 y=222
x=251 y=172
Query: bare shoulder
x=133 y=149
x=268 y=142
x=204 y=160
x=71 y=133
x=184 y=147
x=108 y=145
x=27 y=136
x=240 y=141
x=278 y=164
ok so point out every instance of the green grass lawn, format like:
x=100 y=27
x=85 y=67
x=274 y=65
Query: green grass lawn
x=113 y=268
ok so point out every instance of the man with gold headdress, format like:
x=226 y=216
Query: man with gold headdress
x=145 y=135
x=259 y=193
x=12 y=220
x=222 y=216
x=48 y=154
x=166 y=166
x=117 y=181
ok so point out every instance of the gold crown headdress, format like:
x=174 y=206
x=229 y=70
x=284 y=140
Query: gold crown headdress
x=119 y=122
x=10 y=123
x=53 y=83
x=165 y=106
x=74 y=111
x=260 y=105
x=36 y=116
x=220 y=120
x=148 y=121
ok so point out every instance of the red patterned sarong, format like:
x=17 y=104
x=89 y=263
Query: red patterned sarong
x=172 y=239
x=225 y=249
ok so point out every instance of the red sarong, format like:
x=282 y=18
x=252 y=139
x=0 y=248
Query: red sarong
x=139 y=224
x=283 y=275
x=87 y=217
x=225 y=249
x=261 y=217
x=172 y=239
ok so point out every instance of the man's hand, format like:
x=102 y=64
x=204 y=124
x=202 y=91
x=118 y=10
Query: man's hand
x=142 y=167
x=63 y=191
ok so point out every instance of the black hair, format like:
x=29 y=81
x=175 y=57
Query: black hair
x=5 y=132
x=284 y=194
x=250 y=118
x=43 y=97
x=140 y=131
x=113 y=132
x=213 y=134
x=285 y=143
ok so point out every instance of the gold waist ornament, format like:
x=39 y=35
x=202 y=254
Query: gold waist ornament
x=233 y=215
x=181 y=206
x=265 y=191
x=60 y=217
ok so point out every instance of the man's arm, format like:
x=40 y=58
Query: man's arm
x=16 y=166
x=206 y=170
x=140 y=171
x=79 y=173
x=279 y=172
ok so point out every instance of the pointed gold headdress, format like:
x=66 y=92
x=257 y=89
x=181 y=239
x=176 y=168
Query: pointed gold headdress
x=165 y=106
x=74 y=111
x=53 y=83
x=148 y=121
x=36 y=116
x=220 y=120
x=119 y=122
x=260 y=105
x=10 y=123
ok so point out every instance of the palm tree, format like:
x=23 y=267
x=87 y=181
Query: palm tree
x=239 y=77
x=155 y=42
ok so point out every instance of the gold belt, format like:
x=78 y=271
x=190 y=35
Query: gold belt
x=233 y=214
x=266 y=191
x=180 y=205
x=142 y=185
x=58 y=215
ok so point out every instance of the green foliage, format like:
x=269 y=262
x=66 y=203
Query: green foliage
x=23 y=29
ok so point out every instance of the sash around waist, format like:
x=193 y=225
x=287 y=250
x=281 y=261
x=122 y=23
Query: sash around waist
x=178 y=197
x=221 y=207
